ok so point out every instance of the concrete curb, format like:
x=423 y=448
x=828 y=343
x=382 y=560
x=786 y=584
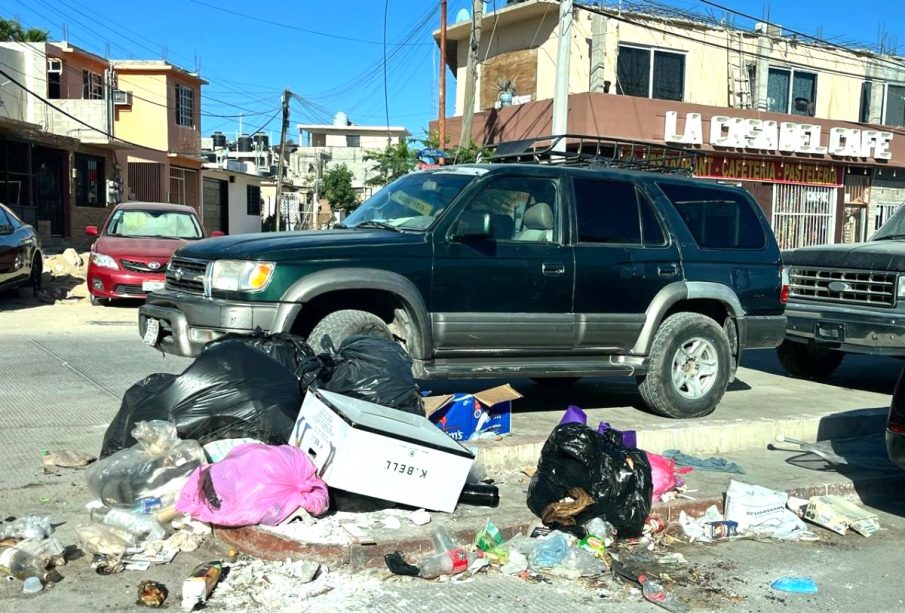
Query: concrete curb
x=270 y=546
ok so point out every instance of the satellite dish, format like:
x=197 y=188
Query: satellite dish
x=463 y=15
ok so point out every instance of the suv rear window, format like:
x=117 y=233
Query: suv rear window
x=717 y=218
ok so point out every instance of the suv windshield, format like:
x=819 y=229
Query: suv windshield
x=893 y=229
x=153 y=224
x=411 y=202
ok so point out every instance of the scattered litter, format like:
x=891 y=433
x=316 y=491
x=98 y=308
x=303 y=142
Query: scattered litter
x=696 y=528
x=473 y=416
x=32 y=585
x=104 y=540
x=795 y=585
x=420 y=517
x=20 y=564
x=838 y=514
x=107 y=565
x=198 y=587
x=67 y=459
x=30 y=527
x=761 y=511
x=657 y=594
x=152 y=594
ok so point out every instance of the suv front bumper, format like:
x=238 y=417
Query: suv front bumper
x=847 y=329
x=188 y=322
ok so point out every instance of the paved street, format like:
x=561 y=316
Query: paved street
x=66 y=368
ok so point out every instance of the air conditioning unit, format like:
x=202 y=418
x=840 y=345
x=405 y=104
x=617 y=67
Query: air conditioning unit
x=122 y=98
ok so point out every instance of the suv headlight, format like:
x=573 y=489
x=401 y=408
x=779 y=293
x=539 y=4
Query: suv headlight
x=900 y=287
x=104 y=261
x=236 y=275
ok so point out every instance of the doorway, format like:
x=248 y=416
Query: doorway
x=48 y=178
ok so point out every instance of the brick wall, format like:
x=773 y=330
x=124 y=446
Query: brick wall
x=81 y=216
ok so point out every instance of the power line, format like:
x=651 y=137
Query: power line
x=300 y=29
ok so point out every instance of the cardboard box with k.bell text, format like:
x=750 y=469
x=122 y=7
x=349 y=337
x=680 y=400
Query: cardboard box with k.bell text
x=381 y=452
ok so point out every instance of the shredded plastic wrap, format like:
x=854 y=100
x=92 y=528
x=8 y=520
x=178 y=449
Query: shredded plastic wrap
x=157 y=466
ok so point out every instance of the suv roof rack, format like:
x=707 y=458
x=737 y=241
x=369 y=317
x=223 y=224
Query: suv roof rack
x=587 y=150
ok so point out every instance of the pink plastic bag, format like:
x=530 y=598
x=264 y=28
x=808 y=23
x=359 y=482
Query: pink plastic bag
x=254 y=484
x=664 y=474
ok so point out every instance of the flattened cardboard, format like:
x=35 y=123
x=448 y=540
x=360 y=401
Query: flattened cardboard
x=838 y=514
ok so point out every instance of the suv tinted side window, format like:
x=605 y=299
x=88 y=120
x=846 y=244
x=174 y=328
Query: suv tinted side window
x=716 y=218
x=613 y=212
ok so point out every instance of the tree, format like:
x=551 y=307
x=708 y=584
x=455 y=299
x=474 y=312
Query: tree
x=473 y=152
x=393 y=162
x=11 y=31
x=338 y=188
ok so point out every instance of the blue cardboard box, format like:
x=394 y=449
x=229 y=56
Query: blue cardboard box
x=467 y=416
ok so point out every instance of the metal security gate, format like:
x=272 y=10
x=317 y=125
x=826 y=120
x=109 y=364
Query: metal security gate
x=882 y=212
x=803 y=215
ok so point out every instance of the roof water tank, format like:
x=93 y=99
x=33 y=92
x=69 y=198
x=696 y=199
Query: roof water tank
x=219 y=139
x=262 y=140
x=245 y=143
x=340 y=119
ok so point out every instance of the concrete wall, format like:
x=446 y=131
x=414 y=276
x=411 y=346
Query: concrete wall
x=240 y=222
x=13 y=99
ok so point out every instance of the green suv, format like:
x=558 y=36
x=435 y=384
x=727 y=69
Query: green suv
x=552 y=272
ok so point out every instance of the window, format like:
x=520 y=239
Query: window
x=650 y=73
x=791 y=91
x=90 y=186
x=610 y=212
x=92 y=86
x=253 y=202
x=894 y=113
x=717 y=218
x=521 y=209
x=185 y=106
x=353 y=140
x=164 y=224
x=864 y=113
x=54 y=77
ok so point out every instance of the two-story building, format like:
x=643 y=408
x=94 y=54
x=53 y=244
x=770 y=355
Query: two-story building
x=56 y=144
x=323 y=146
x=160 y=109
x=809 y=128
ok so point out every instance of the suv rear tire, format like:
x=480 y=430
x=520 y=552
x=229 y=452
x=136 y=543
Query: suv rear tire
x=340 y=325
x=807 y=362
x=690 y=366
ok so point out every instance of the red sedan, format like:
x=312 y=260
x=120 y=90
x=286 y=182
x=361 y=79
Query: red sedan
x=132 y=250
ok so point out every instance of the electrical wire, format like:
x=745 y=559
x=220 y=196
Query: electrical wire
x=300 y=29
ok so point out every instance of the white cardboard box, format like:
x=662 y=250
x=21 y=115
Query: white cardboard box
x=376 y=451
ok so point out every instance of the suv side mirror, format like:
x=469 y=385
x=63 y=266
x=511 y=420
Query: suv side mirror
x=473 y=225
x=91 y=230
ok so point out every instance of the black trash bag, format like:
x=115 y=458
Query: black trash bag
x=617 y=479
x=367 y=368
x=287 y=349
x=232 y=390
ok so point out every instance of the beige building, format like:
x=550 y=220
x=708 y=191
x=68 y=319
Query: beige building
x=159 y=108
x=323 y=146
x=710 y=88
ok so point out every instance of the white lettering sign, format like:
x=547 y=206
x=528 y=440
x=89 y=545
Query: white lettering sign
x=786 y=137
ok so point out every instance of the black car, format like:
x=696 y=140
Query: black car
x=21 y=259
x=895 y=424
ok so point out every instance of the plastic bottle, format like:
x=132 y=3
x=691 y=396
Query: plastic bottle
x=480 y=494
x=134 y=523
x=22 y=565
x=450 y=562
x=657 y=594
x=441 y=539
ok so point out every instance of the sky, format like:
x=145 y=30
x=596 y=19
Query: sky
x=330 y=54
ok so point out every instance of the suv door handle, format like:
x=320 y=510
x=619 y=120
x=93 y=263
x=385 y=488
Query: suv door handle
x=668 y=270
x=553 y=269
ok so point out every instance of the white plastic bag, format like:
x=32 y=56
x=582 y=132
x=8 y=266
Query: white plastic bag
x=762 y=511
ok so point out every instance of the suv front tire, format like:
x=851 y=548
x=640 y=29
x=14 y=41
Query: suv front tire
x=807 y=362
x=690 y=366
x=340 y=325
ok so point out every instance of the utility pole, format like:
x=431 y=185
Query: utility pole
x=472 y=72
x=441 y=123
x=279 y=198
x=561 y=86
